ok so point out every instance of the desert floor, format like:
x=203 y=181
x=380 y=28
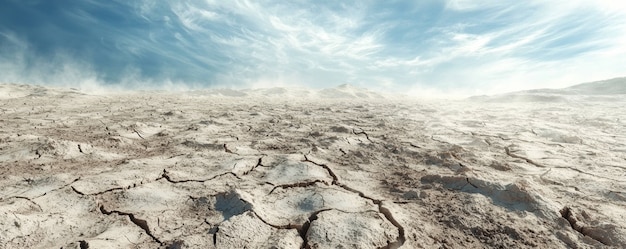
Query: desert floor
x=229 y=169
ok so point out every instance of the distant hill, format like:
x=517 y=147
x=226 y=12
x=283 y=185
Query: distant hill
x=597 y=90
x=604 y=87
x=348 y=91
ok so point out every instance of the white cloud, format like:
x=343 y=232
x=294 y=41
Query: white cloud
x=470 y=5
x=532 y=44
x=457 y=45
x=284 y=40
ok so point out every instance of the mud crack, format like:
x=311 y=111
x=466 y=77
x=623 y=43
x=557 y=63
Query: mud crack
x=143 y=224
x=227 y=150
x=258 y=163
x=440 y=141
x=508 y=152
x=383 y=210
x=302 y=229
x=305 y=227
x=297 y=185
x=104 y=191
x=491 y=136
x=362 y=132
x=330 y=171
x=342 y=151
x=83 y=244
x=470 y=183
x=28 y=199
x=568 y=214
x=169 y=179
x=134 y=185
x=138 y=133
x=412 y=145
x=76 y=191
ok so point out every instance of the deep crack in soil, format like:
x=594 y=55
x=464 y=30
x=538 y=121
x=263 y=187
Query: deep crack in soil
x=139 y=222
x=381 y=209
x=568 y=214
x=165 y=176
x=297 y=185
x=83 y=244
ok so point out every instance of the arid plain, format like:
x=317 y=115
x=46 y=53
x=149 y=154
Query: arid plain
x=341 y=167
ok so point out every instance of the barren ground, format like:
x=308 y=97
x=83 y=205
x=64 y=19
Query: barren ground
x=157 y=170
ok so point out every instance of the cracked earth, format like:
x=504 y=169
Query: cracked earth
x=191 y=170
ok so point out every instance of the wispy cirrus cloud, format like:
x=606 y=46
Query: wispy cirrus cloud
x=436 y=45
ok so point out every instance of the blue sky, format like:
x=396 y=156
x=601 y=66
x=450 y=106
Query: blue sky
x=421 y=47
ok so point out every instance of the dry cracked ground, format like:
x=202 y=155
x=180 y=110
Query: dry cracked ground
x=158 y=170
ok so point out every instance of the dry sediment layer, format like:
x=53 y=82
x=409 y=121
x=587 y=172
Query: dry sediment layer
x=149 y=170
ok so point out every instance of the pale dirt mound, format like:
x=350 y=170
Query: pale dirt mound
x=10 y=91
x=598 y=91
x=154 y=170
x=604 y=87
